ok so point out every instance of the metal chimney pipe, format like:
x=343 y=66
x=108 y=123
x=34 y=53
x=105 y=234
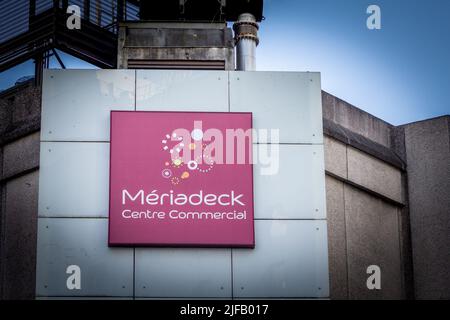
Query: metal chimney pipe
x=246 y=38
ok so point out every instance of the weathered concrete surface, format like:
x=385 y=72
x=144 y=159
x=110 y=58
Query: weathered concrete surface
x=428 y=155
x=374 y=174
x=364 y=170
x=356 y=120
x=2 y=235
x=335 y=157
x=179 y=54
x=171 y=41
x=389 y=155
x=168 y=35
x=21 y=155
x=1 y=163
x=18 y=253
x=19 y=117
x=370 y=228
x=337 y=239
x=20 y=112
x=372 y=239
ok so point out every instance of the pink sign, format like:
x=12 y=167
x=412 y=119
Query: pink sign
x=181 y=179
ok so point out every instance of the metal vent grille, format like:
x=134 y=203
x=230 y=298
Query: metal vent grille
x=177 y=64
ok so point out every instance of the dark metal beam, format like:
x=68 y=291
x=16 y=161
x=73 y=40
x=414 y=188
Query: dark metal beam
x=87 y=10
x=48 y=31
x=120 y=6
x=61 y=63
x=65 y=4
x=38 y=68
x=32 y=11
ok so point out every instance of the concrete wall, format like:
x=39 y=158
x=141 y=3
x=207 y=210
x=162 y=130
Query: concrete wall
x=356 y=120
x=417 y=156
x=428 y=154
x=364 y=228
x=19 y=161
x=367 y=201
x=368 y=210
x=20 y=112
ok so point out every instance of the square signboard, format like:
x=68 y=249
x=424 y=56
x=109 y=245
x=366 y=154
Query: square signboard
x=181 y=179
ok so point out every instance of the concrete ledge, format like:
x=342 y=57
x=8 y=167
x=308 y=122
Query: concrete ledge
x=361 y=169
x=364 y=144
x=367 y=190
x=374 y=174
x=22 y=130
x=356 y=120
x=335 y=157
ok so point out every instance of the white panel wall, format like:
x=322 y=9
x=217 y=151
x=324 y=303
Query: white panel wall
x=188 y=90
x=297 y=191
x=74 y=184
x=62 y=242
x=76 y=104
x=193 y=273
x=290 y=258
x=289 y=101
x=74 y=179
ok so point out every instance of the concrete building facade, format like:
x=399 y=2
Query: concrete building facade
x=387 y=187
x=387 y=199
x=290 y=256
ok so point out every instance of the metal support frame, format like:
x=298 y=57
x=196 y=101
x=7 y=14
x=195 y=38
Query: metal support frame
x=61 y=63
x=87 y=10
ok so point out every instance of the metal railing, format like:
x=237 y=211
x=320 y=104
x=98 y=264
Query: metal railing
x=15 y=14
x=16 y=17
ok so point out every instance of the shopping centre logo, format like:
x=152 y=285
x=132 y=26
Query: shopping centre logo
x=193 y=151
x=183 y=178
x=179 y=146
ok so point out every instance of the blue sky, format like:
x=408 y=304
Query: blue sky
x=400 y=73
